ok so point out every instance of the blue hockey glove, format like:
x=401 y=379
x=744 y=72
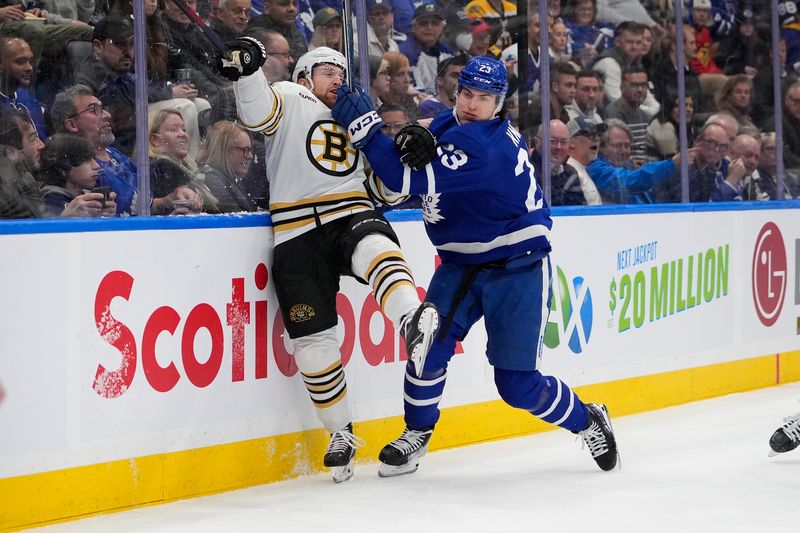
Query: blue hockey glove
x=355 y=111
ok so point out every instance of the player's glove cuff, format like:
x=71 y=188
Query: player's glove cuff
x=363 y=128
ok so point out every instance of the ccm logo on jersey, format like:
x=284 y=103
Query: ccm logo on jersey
x=360 y=126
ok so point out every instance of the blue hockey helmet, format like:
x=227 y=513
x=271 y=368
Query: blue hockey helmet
x=484 y=74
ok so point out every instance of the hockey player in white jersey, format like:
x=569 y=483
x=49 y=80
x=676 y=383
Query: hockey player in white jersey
x=325 y=226
x=487 y=217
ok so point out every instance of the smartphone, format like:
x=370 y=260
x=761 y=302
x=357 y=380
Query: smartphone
x=105 y=191
x=188 y=204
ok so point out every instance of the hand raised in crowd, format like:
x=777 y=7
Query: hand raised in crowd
x=12 y=13
x=691 y=153
x=184 y=91
x=736 y=171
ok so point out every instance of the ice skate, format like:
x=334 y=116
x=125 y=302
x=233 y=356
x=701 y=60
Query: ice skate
x=787 y=437
x=599 y=437
x=340 y=453
x=419 y=330
x=402 y=455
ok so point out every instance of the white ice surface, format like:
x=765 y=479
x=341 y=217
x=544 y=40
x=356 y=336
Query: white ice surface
x=700 y=467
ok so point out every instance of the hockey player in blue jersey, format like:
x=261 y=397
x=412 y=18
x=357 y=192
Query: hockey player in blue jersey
x=488 y=219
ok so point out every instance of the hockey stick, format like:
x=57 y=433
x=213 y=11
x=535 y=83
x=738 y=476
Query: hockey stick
x=347 y=26
x=203 y=27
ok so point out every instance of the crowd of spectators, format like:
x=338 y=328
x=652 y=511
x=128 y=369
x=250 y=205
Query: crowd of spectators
x=67 y=96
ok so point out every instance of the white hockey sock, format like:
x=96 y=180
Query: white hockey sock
x=379 y=260
x=317 y=356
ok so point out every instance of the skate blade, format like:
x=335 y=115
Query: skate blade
x=342 y=473
x=773 y=453
x=428 y=321
x=392 y=471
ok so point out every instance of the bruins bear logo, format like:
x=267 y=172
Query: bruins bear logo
x=328 y=150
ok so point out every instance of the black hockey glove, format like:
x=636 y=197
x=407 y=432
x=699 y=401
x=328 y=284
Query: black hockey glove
x=247 y=56
x=417 y=146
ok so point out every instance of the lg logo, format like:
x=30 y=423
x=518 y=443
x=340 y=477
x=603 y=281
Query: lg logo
x=769 y=274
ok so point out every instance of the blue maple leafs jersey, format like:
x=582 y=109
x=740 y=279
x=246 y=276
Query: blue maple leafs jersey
x=480 y=198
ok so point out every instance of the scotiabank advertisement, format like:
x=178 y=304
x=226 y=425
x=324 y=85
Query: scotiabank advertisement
x=131 y=343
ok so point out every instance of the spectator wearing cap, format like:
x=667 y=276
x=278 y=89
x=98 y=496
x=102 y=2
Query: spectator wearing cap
x=381 y=35
x=480 y=39
x=118 y=92
x=404 y=13
x=588 y=94
x=16 y=72
x=496 y=14
x=93 y=72
x=617 y=181
x=446 y=83
x=424 y=48
x=280 y=15
x=584 y=138
x=230 y=18
x=327 y=29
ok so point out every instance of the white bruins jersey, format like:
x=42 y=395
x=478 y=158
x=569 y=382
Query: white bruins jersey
x=316 y=175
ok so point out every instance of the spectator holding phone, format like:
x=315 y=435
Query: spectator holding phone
x=69 y=171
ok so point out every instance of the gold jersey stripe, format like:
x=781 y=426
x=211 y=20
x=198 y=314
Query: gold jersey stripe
x=309 y=202
x=277 y=109
x=389 y=271
x=310 y=219
x=321 y=373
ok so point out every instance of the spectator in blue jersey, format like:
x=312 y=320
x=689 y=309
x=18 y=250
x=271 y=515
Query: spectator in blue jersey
x=712 y=177
x=488 y=220
x=424 y=48
x=588 y=37
x=511 y=55
x=446 y=81
x=764 y=185
x=77 y=110
x=620 y=183
x=16 y=73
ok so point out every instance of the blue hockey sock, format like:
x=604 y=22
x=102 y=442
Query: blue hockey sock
x=543 y=396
